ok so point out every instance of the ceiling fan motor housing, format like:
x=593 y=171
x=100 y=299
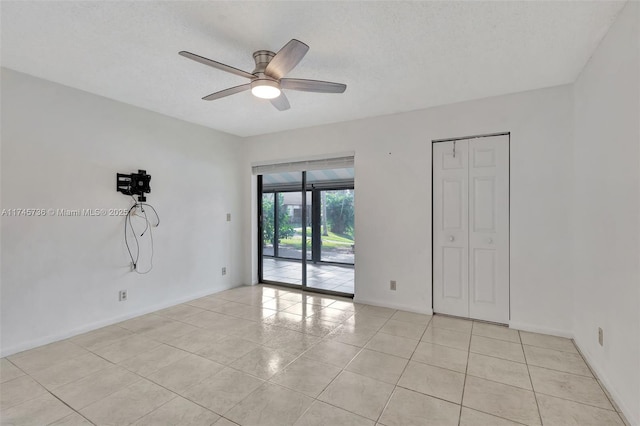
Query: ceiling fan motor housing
x=262 y=59
x=264 y=86
x=267 y=79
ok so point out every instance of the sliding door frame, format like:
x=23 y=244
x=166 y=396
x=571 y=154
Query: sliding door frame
x=303 y=219
x=303 y=259
x=260 y=229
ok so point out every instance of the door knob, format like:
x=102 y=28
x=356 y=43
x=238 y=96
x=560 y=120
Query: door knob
x=451 y=238
x=489 y=240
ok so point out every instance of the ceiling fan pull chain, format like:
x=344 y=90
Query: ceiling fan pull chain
x=454 y=149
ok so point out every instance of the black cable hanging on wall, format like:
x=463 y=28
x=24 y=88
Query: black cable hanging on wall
x=132 y=185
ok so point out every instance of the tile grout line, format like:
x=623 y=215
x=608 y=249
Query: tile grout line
x=466 y=373
x=295 y=359
x=595 y=378
x=322 y=338
x=493 y=381
x=140 y=378
x=161 y=405
x=343 y=369
x=12 y=363
x=90 y=351
x=177 y=395
x=577 y=402
x=49 y=391
x=361 y=349
x=224 y=366
x=535 y=395
x=56 y=397
x=395 y=387
x=469 y=351
x=150 y=380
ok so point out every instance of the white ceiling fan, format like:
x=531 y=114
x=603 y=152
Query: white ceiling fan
x=267 y=79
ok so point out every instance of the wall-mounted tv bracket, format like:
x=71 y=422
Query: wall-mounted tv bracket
x=134 y=184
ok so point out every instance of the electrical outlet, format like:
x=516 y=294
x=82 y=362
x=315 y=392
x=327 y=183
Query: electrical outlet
x=228 y=217
x=600 y=336
x=122 y=296
x=224 y=270
x=392 y=285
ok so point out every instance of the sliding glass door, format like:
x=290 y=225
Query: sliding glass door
x=307 y=236
x=282 y=230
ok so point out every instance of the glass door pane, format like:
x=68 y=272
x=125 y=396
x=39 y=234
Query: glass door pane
x=334 y=256
x=338 y=230
x=290 y=246
x=268 y=234
x=282 y=228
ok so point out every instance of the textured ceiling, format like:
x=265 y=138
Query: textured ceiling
x=394 y=56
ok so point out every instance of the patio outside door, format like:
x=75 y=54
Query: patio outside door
x=307 y=236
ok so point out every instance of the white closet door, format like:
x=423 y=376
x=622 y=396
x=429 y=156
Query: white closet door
x=489 y=228
x=471 y=228
x=450 y=228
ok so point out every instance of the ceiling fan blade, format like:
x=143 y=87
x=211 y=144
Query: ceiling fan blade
x=227 y=92
x=312 y=85
x=281 y=102
x=286 y=59
x=215 y=64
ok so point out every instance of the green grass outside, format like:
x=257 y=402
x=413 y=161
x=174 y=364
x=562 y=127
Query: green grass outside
x=329 y=241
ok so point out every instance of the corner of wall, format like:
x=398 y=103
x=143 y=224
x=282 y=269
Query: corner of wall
x=606 y=211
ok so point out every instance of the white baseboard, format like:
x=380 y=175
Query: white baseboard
x=540 y=329
x=30 y=344
x=426 y=311
x=600 y=375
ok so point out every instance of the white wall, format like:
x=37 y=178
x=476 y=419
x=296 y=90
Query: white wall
x=62 y=148
x=393 y=198
x=575 y=206
x=607 y=209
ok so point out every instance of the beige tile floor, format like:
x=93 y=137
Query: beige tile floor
x=265 y=356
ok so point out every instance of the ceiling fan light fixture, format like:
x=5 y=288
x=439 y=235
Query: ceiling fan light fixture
x=268 y=78
x=265 y=88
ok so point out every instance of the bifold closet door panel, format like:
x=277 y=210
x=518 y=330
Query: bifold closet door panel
x=489 y=229
x=471 y=228
x=450 y=228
